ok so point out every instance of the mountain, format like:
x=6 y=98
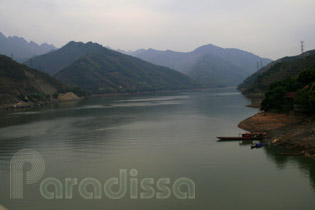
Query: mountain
x=54 y=61
x=20 y=49
x=210 y=65
x=258 y=83
x=18 y=82
x=212 y=71
x=99 y=70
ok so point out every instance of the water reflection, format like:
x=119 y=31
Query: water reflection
x=306 y=165
x=161 y=135
x=273 y=152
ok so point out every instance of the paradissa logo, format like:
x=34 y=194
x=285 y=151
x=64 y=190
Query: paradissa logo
x=146 y=188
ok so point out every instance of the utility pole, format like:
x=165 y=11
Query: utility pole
x=261 y=64
x=302 y=47
x=257 y=65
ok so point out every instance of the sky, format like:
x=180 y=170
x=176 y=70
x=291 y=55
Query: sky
x=268 y=28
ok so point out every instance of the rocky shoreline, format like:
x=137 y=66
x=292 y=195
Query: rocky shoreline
x=295 y=132
x=63 y=97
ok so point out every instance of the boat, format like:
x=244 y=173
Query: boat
x=257 y=146
x=244 y=136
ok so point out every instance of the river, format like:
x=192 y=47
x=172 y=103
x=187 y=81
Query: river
x=151 y=137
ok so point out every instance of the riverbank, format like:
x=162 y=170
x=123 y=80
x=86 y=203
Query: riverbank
x=292 y=131
x=62 y=97
x=70 y=97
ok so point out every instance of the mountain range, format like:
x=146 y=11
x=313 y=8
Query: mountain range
x=210 y=65
x=21 y=50
x=99 y=70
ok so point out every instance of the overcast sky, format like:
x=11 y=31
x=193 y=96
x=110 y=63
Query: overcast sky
x=269 y=28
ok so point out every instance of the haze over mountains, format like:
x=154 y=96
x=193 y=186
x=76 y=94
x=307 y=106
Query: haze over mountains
x=20 y=49
x=210 y=65
x=99 y=70
x=78 y=67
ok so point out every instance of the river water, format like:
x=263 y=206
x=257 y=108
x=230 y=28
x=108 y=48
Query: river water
x=162 y=136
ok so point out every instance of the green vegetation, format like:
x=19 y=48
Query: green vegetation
x=107 y=72
x=99 y=70
x=54 y=61
x=293 y=93
x=277 y=71
x=34 y=97
x=21 y=83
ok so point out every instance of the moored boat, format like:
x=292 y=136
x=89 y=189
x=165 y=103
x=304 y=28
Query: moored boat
x=244 y=136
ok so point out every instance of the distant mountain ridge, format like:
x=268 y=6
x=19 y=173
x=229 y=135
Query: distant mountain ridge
x=99 y=70
x=210 y=65
x=20 y=49
x=213 y=71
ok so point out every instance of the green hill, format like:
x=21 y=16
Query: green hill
x=19 y=82
x=56 y=60
x=293 y=93
x=260 y=81
x=99 y=70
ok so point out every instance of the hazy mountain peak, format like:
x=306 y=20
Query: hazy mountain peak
x=33 y=44
x=221 y=66
x=20 y=48
x=81 y=44
x=72 y=43
x=209 y=48
x=2 y=36
x=47 y=45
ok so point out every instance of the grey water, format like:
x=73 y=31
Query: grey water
x=161 y=135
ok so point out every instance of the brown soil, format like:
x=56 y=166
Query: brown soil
x=293 y=131
x=69 y=96
x=2 y=208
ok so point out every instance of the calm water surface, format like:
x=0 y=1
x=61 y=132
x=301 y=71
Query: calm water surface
x=169 y=135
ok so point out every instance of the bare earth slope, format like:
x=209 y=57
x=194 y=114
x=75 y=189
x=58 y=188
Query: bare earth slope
x=292 y=131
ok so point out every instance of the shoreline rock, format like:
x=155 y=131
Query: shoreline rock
x=295 y=132
x=63 y=97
